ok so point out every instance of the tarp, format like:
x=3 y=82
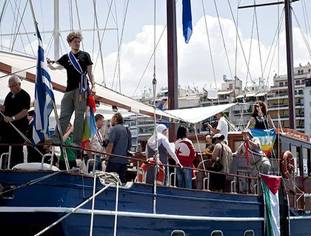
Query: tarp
x=12 y=63
x=198 y=114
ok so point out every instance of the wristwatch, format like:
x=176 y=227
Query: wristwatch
x=13 y=117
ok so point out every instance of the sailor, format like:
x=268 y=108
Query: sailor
x=78 y=65
x=15 y=109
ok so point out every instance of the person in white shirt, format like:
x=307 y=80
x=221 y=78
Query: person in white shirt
x=222 y=126
x=97 y=142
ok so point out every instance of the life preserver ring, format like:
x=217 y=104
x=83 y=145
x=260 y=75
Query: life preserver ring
x=146 y=166
x=287 y=164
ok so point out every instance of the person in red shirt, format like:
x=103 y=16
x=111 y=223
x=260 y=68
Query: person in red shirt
x=186 y=153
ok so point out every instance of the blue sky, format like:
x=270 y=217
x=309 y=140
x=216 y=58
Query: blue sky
x=137 y=45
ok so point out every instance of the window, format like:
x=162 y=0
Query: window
x=217 y=233
x=178 y=233
x=249 y=233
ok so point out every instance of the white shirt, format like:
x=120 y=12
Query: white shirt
x=96 y=143
x=223 y=127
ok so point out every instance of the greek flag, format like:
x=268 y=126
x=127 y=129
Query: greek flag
x=44 y=96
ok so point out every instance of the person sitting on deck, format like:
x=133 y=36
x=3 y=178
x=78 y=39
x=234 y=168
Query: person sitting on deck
x=251 y=150
x=164 y=148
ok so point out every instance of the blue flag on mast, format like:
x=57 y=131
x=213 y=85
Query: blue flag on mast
x=44 y=96
x=186 y=19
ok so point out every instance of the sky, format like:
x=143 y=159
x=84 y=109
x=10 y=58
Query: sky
x=137 y=45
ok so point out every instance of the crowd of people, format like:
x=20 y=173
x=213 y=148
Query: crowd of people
x=17 y=122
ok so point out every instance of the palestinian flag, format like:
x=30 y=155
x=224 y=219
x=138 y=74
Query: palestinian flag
x=270 y=186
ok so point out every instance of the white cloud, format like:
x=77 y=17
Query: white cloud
x=194 y=58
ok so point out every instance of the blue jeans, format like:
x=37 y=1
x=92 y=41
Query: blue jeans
x=184 y=178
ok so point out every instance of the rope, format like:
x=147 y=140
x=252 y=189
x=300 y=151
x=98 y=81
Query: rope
x=149 y=61
x=121 y=39
x=250 y=50
x=31 y=182
x=209 y=44
x=79 y=21
x=73 y=210
x=16 y=72
x=302 y=34
x=223 y=38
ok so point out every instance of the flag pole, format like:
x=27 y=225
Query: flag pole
x=22 y=135
x=54 y=105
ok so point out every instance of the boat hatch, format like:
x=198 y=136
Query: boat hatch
x=249 y=233
x=217 y=233
x=178 y=233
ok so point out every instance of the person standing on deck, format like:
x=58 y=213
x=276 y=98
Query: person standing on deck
x=15 y=109
x=97 y=143
x=120 y=142
x=260 y=119
x=222 y=126
x=78 y=65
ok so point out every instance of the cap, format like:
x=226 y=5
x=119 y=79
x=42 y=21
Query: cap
x=219 y=136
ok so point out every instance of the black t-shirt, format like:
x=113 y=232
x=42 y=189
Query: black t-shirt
x=15 y=104
x=73 y=76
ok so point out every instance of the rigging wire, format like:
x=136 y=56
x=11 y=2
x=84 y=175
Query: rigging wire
x=223 y=38
x=250 y=49
x=102 y=37
x=258 y=39
x=302 y=34
x=240 y=41
x=121 y=38
x=306 y=18
x=209 y=44
x=19 y=24
x=29 y=41
x=79 y=21
x=99 y=41
x=117 y=63
x=236 y=40
x=70 y=15
x=149 y=61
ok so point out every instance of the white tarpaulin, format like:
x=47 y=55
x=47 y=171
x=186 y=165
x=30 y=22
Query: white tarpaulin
x=11 y=63
x=198 y=114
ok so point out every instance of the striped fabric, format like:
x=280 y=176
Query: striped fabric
x=44 y=96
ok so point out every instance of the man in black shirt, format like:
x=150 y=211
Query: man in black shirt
x=15 y=109
x=78 y=65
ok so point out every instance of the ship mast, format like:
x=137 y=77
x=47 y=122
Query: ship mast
x=56 y=29
x=172 y=63
x=289 y=56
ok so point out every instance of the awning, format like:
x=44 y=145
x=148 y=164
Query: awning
x=25 y=68
x=198 y=114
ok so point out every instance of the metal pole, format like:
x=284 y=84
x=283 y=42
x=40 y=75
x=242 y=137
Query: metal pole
x=172 y=67
x=290 y=65
x=56 y=29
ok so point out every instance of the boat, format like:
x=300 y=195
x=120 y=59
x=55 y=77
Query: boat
x=41 y=200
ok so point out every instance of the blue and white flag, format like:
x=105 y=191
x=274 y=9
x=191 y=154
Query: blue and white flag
x=186 y=19
x=44 y=96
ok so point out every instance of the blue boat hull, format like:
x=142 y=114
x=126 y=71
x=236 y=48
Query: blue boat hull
x=30 y=208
